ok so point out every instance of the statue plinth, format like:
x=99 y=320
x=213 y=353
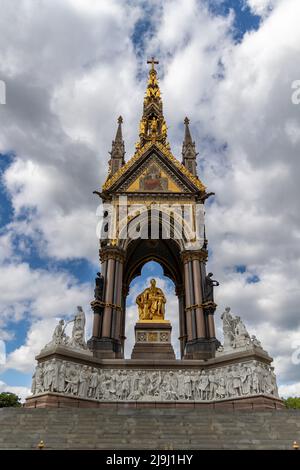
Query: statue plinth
x=153 y=340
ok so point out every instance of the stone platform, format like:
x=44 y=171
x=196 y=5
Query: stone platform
x=56 y=400
x=154 y=429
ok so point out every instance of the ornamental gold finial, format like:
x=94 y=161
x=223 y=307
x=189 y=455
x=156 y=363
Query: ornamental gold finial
x=153 y=127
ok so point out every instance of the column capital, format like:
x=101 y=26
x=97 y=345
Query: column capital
x=191 y=255
x=109 y=252
x=209 y=307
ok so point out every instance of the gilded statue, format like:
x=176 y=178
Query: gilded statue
x=164 y=129
x=143 y=126
x=154 y=125
x=151 y=303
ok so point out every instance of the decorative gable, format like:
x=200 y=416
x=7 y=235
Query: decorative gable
x=154 y=169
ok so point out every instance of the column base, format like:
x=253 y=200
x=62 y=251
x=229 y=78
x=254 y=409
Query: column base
x=201 y=348
x=105 y=348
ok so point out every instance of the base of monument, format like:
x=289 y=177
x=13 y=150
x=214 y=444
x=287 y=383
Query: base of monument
x=56 y=400
x=201 y=348
x=105 y=348
x=239 y=379
x=153 y=341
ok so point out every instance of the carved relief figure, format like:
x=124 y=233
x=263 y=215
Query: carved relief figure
x=242 y=379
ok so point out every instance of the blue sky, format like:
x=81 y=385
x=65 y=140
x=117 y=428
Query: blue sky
x=57 y=136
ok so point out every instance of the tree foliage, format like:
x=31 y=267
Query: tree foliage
x=8 y=399
x=292 y=402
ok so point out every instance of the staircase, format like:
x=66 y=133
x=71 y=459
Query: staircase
x=154 y=429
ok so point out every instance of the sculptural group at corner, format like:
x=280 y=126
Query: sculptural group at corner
x=236 y=334
x=77 y=339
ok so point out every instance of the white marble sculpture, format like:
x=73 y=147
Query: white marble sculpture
x=242 y=379
x=77 y=339
x=59 y=336
x=236 y=336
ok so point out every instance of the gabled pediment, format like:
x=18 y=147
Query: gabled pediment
x=153 y=176
x=153 y=169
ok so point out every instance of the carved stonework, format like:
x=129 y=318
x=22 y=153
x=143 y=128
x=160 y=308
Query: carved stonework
x=240 y=380
x=77 y=339
x=141 y=336
x=153 y=336
x=236 y=336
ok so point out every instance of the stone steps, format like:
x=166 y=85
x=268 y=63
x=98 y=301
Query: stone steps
x=160 y=429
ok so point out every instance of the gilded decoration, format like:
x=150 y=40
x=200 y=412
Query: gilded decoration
x=151 y=303
x=152 y=132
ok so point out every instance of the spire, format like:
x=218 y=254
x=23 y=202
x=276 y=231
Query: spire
x=119 y=137
x=117 y=150
x=152 y=125
x=187 y=133
x=189 y=153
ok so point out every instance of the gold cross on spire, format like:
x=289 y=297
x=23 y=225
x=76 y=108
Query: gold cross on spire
x=152 y=62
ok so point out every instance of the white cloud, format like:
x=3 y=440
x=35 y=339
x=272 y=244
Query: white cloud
x=22 y=392
x=261 y=7
x=39 y=292
x=292 y=390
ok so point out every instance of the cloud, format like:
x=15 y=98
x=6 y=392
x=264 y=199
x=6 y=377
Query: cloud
x=292 y=390
x=22 y=392
x=39 y=292
x=261 y=7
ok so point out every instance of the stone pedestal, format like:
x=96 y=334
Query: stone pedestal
x=153 y=340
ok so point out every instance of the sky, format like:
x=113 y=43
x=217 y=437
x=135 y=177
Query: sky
x=71 y=67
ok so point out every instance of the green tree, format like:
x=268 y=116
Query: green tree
x=8 y=399
x=292 y=402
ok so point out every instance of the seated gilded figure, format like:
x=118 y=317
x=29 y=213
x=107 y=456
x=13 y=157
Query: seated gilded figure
x=151 y=303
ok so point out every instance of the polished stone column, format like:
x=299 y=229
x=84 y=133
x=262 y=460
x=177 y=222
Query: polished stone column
x=192 y=299
x=107 y=316
x=200 y=322
x=182 y=319
x=200 y=344
x=106 y=341
x=114 y=310
x=211 y=326
x=124 y=293
x=188 y=311
x=118 y=301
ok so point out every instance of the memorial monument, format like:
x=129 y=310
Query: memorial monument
x=153 y=209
